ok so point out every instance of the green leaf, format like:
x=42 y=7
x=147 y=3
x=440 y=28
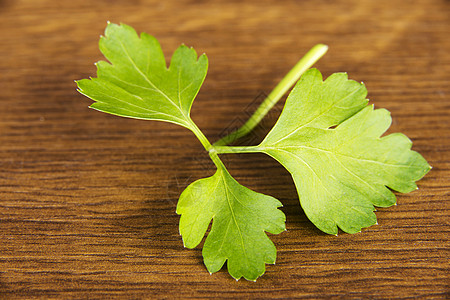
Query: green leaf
x=240 y=218
x=341 y=173
x=137 y=84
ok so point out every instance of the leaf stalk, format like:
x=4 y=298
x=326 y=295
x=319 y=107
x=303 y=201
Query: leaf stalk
x=307 y=61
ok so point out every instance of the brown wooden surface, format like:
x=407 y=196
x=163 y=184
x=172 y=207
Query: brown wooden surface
x=87 y=200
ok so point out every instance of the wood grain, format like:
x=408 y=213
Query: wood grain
x=87 y=200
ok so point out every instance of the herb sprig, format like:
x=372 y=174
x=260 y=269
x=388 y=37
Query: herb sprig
x=327 y=137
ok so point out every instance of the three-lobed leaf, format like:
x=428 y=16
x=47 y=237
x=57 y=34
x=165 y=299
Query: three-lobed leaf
x=137 y=84
x=237 y=233
x=341 y=173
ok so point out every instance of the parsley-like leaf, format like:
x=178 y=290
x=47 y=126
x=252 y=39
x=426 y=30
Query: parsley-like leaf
x=137 y=84
x=341 y=173
x=240 y=218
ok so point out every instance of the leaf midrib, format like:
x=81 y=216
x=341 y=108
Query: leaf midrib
x=286 y=148
x=234 y=217
x=150 y=82
x=151 y=111
x=316 y=117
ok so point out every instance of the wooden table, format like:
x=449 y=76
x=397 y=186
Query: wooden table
x=87 y=200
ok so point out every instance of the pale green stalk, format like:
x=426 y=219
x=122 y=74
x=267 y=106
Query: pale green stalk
x=283 y=86
x=234 y=149
x=208 y=147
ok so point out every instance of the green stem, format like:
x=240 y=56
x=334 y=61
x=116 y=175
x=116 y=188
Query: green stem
x=234 y=149
x=215 y=158
x=283 y=86
x=211 y=150
x=201 y=137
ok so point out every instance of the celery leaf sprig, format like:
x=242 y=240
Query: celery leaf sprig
x=327 y=137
